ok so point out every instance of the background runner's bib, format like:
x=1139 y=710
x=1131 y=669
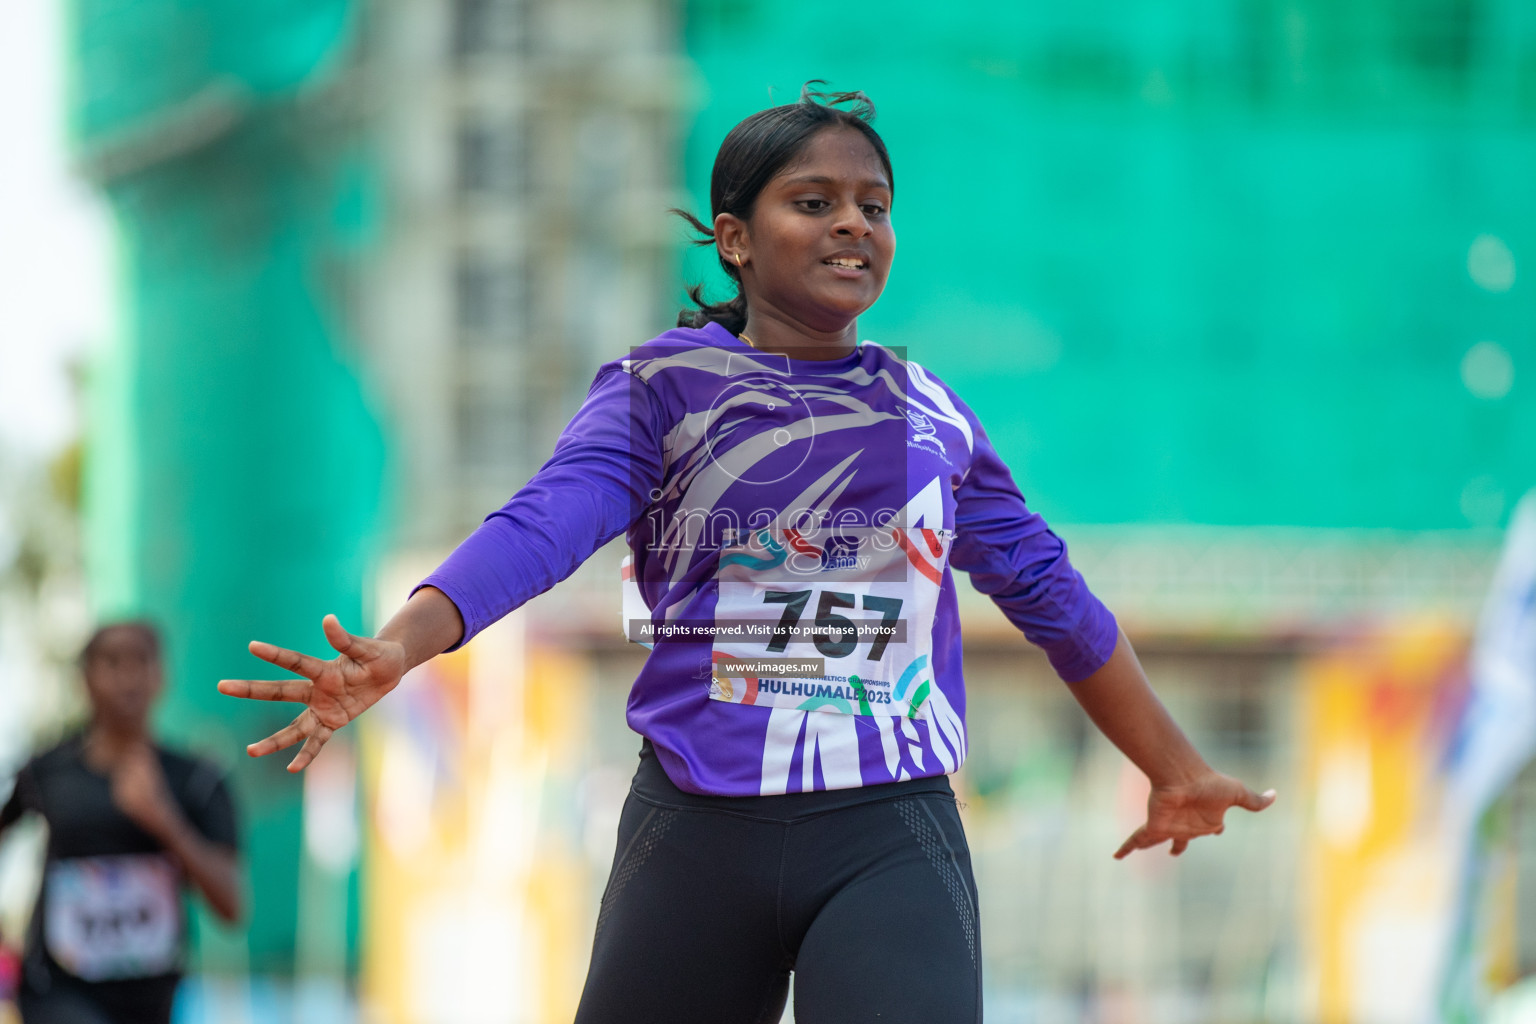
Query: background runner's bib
x=862 y=601
x=114 y=917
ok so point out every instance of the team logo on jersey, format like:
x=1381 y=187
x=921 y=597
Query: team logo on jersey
x=842 y=553
x=925 y=434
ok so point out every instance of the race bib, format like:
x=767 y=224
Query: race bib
x=840 y=623
x=114 y=917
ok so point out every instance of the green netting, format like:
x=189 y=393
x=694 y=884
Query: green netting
x=1196 y=262
x=236 y=462
x=139 y=59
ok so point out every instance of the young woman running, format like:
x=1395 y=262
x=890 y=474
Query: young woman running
x=795 y=503
x=131 y=826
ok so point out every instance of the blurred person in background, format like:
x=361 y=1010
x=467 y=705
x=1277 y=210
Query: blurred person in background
x=131 y=826
x=796 y=824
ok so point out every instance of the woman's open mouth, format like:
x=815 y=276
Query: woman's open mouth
x=847 y=266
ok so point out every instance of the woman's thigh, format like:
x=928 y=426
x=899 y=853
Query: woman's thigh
x=898 y=941
x=687 y=931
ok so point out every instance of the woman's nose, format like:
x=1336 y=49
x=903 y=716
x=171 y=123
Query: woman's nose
x=851 y=222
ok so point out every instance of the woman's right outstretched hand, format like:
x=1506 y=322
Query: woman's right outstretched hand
x=334 y=692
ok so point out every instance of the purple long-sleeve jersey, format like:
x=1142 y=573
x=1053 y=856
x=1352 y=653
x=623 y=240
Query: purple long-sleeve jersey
x=793 y=526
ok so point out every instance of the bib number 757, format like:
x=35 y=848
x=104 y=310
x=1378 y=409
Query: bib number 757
x=840 y=637
x=868 y=620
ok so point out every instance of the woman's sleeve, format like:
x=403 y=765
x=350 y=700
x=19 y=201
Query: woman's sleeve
x=23 y=797
x=210 y=806
x=1014 y=558
x=597 y=482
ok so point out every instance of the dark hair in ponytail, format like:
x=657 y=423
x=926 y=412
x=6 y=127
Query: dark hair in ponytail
x=753 y=152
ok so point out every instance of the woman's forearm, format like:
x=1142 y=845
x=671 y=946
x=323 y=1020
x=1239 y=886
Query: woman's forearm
x=1121 y=703
x=426 y=626
x=213 y=869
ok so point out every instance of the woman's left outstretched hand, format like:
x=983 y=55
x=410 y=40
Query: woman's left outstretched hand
x=1192 y=809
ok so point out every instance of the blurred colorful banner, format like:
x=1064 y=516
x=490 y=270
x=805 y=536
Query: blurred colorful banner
x=1409 y=903
x=474 y=880
x=1494 y=741
x=1379 y=880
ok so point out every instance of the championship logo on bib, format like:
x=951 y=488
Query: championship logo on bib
x=839 y=622
x=114 y=917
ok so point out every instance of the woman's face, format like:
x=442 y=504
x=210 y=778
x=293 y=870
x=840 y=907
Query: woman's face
x=122 y=679
x=819 y=244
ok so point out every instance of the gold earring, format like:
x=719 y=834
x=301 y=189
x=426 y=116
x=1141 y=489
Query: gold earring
x=738 y=259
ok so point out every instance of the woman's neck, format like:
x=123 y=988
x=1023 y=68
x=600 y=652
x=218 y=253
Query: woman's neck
x=106 y=743
x=774 y=333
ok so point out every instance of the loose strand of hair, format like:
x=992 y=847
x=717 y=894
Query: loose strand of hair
x=862 y=107
x=704 y=231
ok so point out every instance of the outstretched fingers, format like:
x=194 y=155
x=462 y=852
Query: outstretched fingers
x=1203 y=816
x=1139 y=840
x=282 y=657
x=340 y=639
x=1144 y=838
x=267 y=689
x=287 y=736
x=310 y=749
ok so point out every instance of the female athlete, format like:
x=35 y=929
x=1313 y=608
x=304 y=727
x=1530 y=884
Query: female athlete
x=132 y=825
x=795 y=503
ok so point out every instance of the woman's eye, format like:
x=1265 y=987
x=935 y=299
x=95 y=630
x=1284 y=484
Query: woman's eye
x=815 y=205
x=873 y=209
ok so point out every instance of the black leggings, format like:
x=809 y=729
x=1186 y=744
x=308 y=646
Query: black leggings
x=81 y=1003
x=866 y=895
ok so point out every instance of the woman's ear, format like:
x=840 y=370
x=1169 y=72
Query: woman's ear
x=731 y=239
